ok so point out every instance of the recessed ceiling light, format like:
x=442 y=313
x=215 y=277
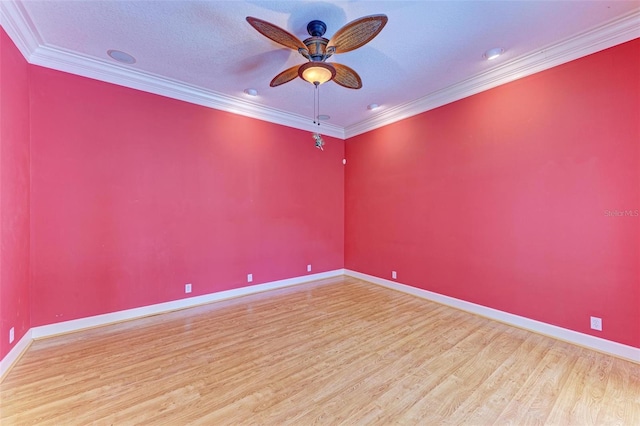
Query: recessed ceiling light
x=371 y=107
x=251 y=92
x=323 y=117
x=121 y=56
x=493 y=53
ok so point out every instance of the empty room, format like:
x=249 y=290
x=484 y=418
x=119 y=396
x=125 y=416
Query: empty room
x=319 y=212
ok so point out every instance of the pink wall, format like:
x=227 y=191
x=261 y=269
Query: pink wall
x=14 y=194
x=135 y=195
x=500 y=199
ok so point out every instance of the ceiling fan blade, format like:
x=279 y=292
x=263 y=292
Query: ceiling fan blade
x=276 y=33
x=285 y=76
x=346 y=77
x=357 y=33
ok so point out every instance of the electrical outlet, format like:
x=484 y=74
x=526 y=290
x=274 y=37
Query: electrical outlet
x=308 y=268
x=187 y=288
x=12 y=335
x=394 y=275
x=249 y=278
x=596 y=323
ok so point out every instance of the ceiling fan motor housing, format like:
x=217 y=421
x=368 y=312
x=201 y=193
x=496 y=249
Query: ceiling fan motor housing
x=317 y=48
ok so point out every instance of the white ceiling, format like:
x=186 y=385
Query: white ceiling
x=429 y=53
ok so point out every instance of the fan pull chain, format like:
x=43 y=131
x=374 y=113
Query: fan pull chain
x=318 y=116
x=314 y=103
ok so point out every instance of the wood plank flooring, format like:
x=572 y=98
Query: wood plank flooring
x=338 y=351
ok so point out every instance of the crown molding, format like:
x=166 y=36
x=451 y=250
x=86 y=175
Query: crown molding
x=615 y=32
x=20 y=28
x=67 y=61
x=16 y=22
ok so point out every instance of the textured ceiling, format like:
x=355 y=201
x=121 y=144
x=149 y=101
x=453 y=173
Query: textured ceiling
x=429 y=53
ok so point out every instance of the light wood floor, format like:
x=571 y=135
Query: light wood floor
x=338 y=351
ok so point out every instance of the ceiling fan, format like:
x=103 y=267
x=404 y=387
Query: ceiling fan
x=317 y=49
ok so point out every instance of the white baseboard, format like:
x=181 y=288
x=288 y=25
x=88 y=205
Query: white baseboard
x=14 y=354
x=174 y=305
x=596 y=343
x=613 y=348
x=98 y=320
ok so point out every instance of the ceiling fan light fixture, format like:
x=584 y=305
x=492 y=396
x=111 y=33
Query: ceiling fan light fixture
x=316 y=72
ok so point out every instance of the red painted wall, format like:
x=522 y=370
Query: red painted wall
x=508 y=198
x=14 y=194
x=135 y=195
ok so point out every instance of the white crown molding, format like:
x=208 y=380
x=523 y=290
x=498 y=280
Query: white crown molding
x=21 y=30
x=62 y=60
x=615 y=32
x=592 y=342
x=18 y=25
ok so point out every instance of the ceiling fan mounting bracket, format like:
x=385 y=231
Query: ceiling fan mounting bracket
x=316 y=28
